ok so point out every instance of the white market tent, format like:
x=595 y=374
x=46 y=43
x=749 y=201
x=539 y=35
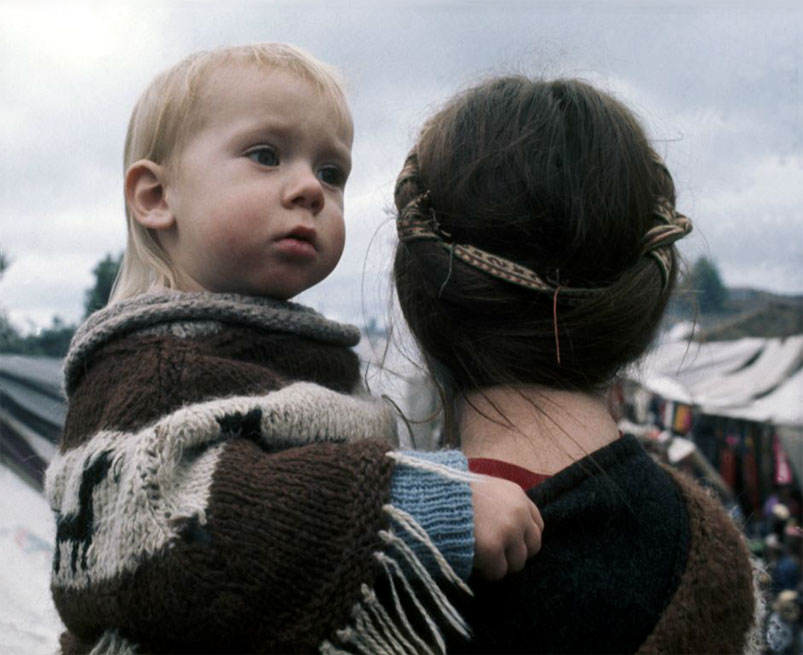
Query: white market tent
x=782 y=406
x=773 y=368
x=753 y=379
x=748 y=378
x=689 y=363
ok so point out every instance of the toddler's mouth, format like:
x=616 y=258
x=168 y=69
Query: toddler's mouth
x=299 y=241
x=302 y=233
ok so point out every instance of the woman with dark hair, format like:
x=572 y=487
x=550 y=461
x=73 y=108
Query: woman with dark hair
x=536 y=227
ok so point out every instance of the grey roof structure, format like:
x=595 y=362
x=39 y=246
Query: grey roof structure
x=32 y=411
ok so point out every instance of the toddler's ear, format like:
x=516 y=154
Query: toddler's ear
x=145 y=195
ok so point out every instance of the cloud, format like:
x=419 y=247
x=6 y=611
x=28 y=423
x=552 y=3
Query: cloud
x=33 y=288
x=754 y=217
x=718 y=86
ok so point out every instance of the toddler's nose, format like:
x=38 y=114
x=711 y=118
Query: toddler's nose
x=305 y=189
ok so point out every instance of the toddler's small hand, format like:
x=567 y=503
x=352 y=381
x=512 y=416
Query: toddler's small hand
x=507 y=527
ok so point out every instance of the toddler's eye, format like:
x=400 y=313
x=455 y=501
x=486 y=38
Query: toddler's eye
x=333 y=176
x=264 y=156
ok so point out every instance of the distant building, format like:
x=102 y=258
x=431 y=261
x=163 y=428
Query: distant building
x=768 y=317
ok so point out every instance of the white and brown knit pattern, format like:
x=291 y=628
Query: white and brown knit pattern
x=135 y=494
x=182 y=489
x=141 y=488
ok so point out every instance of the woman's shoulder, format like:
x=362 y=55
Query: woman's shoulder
x=617 y=550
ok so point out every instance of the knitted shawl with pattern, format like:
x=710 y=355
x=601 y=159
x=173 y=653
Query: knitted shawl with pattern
x=219 y=489
x=635 y=558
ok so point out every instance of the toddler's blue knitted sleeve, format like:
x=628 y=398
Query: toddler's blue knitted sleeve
x=442 y=507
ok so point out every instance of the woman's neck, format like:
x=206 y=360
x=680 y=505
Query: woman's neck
x=544 y=430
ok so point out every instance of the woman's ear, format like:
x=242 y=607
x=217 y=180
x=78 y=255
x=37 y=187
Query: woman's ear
x=146 y=195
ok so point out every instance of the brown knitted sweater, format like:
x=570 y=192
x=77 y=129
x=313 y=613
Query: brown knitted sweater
x=218 y=489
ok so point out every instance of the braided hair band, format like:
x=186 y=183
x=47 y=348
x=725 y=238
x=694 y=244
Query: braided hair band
x=656 y=243
x=417 y=221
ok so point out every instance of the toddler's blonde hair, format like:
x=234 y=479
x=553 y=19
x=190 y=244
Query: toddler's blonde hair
x=168 y=113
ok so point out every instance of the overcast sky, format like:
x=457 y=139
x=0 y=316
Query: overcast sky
x=717 y=84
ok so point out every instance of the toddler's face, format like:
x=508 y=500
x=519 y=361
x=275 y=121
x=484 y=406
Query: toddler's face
x=257 y=196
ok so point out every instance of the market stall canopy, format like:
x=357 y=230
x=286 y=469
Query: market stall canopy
x=774 y=366
x=689 y=363
x=782 y=406
x=751 y=378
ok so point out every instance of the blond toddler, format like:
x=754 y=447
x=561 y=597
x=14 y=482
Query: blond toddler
x=222 y=485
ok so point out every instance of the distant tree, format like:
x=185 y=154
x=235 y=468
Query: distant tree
x=9 y=337
x=105 y=271
x=49 y=342
x=705 y=282
x=10 y=340
x=54 y=341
